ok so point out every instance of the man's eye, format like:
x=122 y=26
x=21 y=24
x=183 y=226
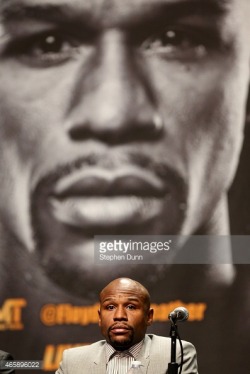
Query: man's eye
x=131 y=307
x=51 y=44
x=110 y=307
x=177 y=43
x=45 y=49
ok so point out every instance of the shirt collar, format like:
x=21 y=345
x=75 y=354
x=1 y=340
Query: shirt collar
x=132 y=351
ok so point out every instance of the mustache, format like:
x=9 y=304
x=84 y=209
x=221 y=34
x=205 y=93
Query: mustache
x=120 y=325
x=112 y=160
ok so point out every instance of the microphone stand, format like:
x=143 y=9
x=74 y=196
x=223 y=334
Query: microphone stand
x=173 y=365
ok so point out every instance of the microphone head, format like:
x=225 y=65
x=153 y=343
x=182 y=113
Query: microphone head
x=179 y=314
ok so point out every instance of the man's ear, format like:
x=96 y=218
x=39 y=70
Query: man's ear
x=150 y=316
x=99 y=317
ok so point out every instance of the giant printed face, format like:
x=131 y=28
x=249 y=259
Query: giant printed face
x=117 y=117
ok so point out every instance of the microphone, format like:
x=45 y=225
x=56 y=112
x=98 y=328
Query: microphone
x=179 y=314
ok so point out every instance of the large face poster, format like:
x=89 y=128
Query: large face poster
x=124 y=117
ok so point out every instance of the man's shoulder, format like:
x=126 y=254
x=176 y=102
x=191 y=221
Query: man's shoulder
x=158 y=338
x=166 y=341
x=84 y=349
x=5 y=355
x=158 y=348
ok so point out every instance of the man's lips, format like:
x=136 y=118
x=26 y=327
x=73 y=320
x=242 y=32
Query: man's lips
x=120 y=329
x=96 y=197
x=102 y=182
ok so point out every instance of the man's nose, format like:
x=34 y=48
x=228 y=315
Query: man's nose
x=113 y=100
x=120 y=314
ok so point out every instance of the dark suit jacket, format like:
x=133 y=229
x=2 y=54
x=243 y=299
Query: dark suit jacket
x=154 y=356
x=4 y=356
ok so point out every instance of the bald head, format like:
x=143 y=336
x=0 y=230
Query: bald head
x=126 y=285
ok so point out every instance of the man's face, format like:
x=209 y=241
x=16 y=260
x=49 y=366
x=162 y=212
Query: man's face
x=117 y=117
x=123 y=316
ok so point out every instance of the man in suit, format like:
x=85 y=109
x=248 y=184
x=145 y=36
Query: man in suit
x=124 y=316
x=5 y=356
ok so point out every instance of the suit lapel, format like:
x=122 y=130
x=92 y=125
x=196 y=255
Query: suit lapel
x=99 y=361
x=144 y=355
x=98 y=368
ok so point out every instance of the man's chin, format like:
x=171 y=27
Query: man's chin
x=121 y=343
x=66 y=255
x=72 y=268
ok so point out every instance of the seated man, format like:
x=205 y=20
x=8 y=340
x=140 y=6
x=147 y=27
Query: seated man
x=4 y=356
x=124 y=316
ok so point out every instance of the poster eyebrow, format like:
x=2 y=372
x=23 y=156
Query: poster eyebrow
x=11 y=9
